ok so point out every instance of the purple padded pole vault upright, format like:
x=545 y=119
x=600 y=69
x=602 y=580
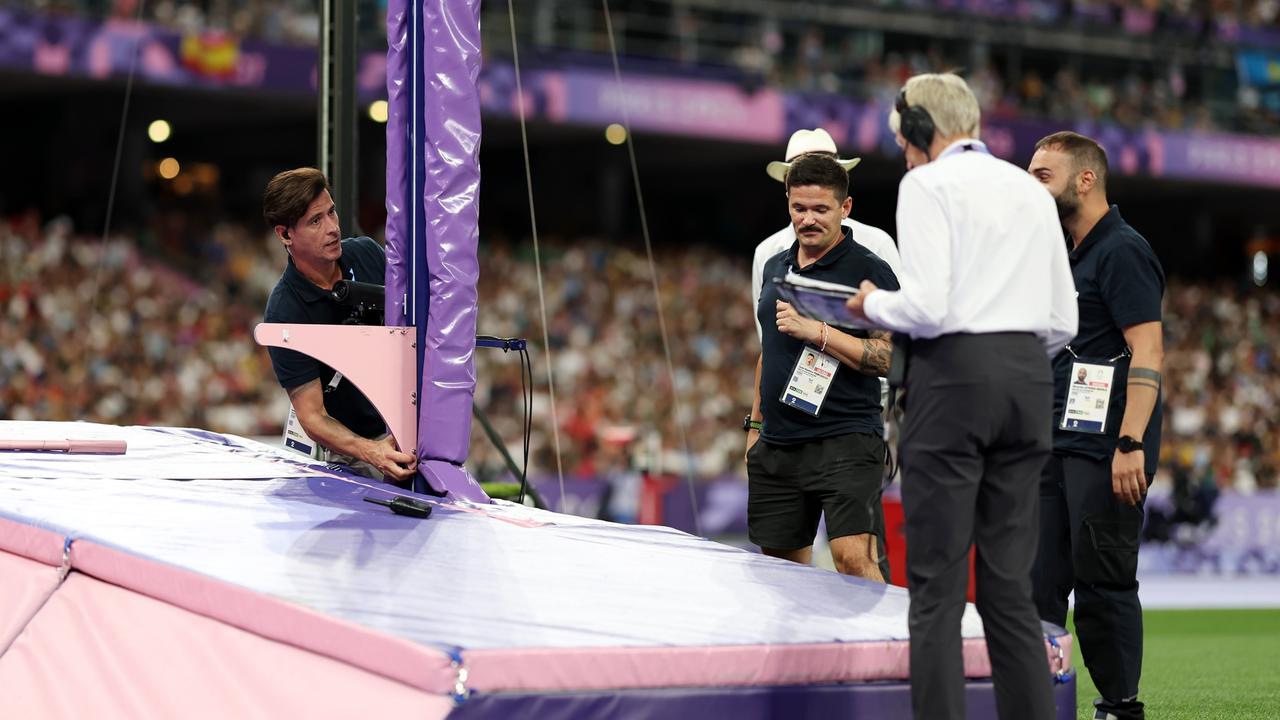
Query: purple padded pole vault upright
x=399 y=233
x=433 y=189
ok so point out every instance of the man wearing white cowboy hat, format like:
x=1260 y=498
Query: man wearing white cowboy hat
x=803 y=142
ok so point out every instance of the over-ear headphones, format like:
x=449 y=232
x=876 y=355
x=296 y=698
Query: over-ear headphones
x=914 y=122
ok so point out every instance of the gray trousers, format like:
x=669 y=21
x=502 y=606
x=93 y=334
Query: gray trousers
x=976 y=435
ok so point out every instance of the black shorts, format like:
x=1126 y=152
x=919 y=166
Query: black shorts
x=791 y=486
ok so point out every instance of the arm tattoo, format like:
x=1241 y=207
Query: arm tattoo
x=1144 y=377
x=876 y=356
x=1141 y=373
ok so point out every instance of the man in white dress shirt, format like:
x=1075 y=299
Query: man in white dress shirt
x=986 y=298
x=816 y=142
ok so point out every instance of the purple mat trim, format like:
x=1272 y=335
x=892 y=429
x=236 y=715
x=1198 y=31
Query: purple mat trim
x=857 y=701
x=398 y=232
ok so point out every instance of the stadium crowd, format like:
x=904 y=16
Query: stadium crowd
x=102 y=332
x=1172 y=92
x=1222 y=388
x=124 y=333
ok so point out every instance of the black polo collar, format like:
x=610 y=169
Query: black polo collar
x=1104 y=229
x=840 y=250
x=307 y=290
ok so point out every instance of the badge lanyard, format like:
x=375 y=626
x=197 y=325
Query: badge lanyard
x=337 y=376
x=295 y=438
x=1089 y=391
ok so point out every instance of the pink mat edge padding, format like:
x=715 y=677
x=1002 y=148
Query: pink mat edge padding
x=272 y=618
x=102 y=651
x=708 y=666
x=31 y=542
x=25 y=585
x=490 y=670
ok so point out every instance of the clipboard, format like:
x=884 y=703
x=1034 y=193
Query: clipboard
x=818 y=300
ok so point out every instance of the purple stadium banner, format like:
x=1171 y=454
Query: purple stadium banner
x=673 y=104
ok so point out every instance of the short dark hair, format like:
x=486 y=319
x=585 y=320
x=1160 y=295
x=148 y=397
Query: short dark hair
x=289 y=194
x=821 y=170
x=1085 y=153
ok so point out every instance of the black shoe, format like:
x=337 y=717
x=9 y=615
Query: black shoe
x=1130 y=709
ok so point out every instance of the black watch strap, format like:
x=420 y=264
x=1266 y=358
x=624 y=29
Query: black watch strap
x=748 y=424
x=1128 y=444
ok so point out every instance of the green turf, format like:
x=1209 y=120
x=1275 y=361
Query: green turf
x=1203 y=665
x=504 y=490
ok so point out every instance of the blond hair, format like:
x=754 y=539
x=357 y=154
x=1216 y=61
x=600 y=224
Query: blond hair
x=949 y=101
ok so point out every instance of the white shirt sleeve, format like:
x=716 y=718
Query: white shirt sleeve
x=924 y=241
x=880 y=243
x=757 y=285
x=1064 y=312
x=770 y=246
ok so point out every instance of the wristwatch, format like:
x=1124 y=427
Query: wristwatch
x=748 y=424
x=1128 y=444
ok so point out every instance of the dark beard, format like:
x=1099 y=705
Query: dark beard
x=1068 y=201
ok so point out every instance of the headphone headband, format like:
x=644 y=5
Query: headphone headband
x=914 y=122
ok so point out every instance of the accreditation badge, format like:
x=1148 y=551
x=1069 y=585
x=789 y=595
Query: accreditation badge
x=1088 y=396
x=295 y=438
x=810 y=381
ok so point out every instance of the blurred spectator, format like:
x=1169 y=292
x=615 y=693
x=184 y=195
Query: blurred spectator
x=98 y=332
x=607 y=354
x=1222 y=388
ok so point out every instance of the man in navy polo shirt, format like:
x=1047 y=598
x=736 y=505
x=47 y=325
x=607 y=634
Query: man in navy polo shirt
x=297 y=205
x=1107 y=420
x=816 y=439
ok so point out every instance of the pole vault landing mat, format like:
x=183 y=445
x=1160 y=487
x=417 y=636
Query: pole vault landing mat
x=204 y=575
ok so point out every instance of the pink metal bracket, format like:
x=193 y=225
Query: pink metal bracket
x=381 y=361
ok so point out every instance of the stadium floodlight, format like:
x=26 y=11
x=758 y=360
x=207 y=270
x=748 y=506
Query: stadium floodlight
x=378 y=111
x=159 y=131
x=615 y=134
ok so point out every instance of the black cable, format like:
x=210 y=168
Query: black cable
x=528 y=418
x=890 y=461
x=115 y=177
x=526 y=393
